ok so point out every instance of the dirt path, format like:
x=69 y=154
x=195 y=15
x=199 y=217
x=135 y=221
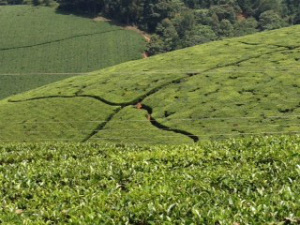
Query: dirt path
x=145 y=35
x=145 y=55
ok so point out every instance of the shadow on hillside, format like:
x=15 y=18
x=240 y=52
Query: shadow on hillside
x=86 y=14
x=91 y=15
x=96 y=17
x=100 y=18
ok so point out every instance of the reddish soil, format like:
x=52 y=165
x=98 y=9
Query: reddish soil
x=241 y=17
x=145 y=55
x=139 y=106
x=101 y=19
x=145 y=35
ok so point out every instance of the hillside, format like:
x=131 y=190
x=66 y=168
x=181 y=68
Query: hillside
x=39 y=46
x=236 y=87
x=249 y=181
x=184 y=23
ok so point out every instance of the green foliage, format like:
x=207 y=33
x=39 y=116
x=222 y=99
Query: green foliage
x=38 y=40
x=247 y=26
x=236 y=87
x=201 y=34
x=225 y=17
x=250 y=181
x=225 y=28
x=185 y=17
x=270 y=20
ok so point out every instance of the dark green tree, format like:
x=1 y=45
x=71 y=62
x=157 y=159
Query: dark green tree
x=270 y=20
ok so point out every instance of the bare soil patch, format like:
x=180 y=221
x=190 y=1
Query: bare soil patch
x=101 y=19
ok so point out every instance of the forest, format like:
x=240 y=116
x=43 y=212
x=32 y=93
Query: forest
x=176 y=24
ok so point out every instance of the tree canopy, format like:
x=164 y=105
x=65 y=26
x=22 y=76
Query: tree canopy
x=181 y=23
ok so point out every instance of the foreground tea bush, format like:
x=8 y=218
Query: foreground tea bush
x=249 y=181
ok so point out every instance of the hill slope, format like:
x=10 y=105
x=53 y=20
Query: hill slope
x=240 y=86
x=44 y=47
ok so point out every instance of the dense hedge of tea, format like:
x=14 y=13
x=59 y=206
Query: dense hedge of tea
x=249 y=181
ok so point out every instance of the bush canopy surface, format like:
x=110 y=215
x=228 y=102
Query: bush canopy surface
x=248 y=181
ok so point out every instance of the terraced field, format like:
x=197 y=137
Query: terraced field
x=41 y=46
x=248 y=181
x=236 y=87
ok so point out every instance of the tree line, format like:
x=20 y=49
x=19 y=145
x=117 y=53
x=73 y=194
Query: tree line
x=177 y=24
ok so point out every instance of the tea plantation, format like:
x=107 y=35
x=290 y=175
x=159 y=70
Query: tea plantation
x=237 y=87
x=39 y=46
x=247 y=181
x=203 y=135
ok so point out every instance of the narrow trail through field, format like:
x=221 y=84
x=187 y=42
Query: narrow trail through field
x=138 y=102
x=59 y=40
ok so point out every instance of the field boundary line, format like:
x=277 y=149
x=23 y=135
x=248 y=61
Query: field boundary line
x=173 y=136
x=215 y=134
x=58 y=40
x=92 y=73
x=129 y=129
x=179 y=119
